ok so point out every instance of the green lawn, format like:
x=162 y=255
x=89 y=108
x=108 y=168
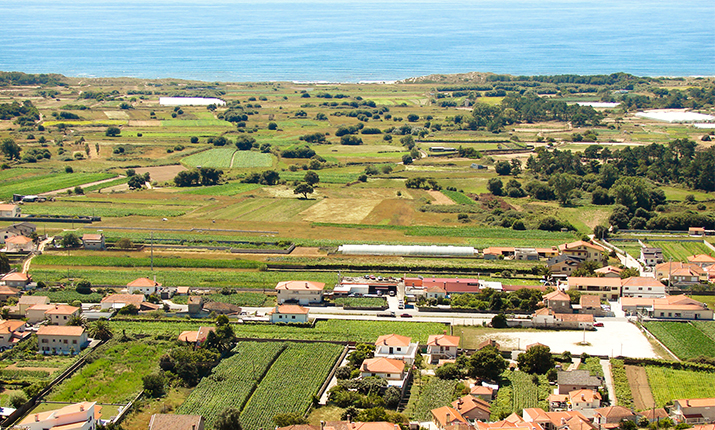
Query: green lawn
x=668 y=384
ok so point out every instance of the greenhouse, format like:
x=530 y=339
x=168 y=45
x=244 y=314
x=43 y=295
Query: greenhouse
x=409 y=250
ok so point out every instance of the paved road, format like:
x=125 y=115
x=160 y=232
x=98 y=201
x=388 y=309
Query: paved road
x=40 y=248
x=606 y=365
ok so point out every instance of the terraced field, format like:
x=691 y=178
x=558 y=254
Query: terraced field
x=680 y=251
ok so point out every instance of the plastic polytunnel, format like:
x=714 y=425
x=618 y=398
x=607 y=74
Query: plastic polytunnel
x=409 y=250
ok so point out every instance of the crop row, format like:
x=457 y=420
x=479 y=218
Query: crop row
x=290 y=383
x=335 y=330
x=325 y=177
x=459 y=198
x=680 y=251
x=361 y=302
x=19 y=374
x=68 y=296
x=181 y=277
x=683 y=339
x=229 y=189
x=593 y=365
x=621 y=386
x=238 y=299
x=707 y=327
x=231 y=382
x=668 y=384
x=50 y=182
x=62 y=208
x=431 y=394
x=113 y=261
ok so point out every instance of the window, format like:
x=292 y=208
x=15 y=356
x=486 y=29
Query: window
x=293 y=317
x=44 y=340
x=65 y=341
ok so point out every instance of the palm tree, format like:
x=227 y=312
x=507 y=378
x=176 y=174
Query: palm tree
x=100 y=330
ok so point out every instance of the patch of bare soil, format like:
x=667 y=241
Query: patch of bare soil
x=392 y=212
x=487 y=199
x=161 y=173
x=307 y=251
x=347 y=211
x=439 y=198
x=34 y=369
x=144 y=123
x=638 y=381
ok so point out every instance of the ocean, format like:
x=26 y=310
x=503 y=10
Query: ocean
x=353 y=41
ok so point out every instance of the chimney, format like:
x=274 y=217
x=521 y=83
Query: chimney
x=193 y=426
x=81 y=408
x=448 y=418
x=563 y=420
x=37 y=418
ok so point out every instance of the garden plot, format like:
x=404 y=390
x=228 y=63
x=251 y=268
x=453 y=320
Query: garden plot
x=340 y=210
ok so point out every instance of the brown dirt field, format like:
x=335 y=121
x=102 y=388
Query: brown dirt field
x=144 y=123
x=162 y=173
x=346 y=211
x=439 y=198
x=38 y=369
x=307 y=251
x=638 y=381
x=392 y=212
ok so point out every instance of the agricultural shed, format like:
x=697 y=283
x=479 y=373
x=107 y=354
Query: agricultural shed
x=408 y=250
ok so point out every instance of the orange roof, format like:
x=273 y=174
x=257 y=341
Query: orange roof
x=704 y=427
x=578 y=423
x=557 y=296
x=498 y=250
x=393 y=340
x=18 y=240
x=288 y=309
x=435 y=289
x=468 y=403
x=614 y=412
x=41 y=307
x=5 y=290
x=36 y=300
x=442 y=340
x=440 y=415
x=62 y=310
x=531 y=345
x=143 y=282
x=653 y=414
x=382 y=365
x=584 y=396
x=586 y=318
x=701 y=258
x=578 y=244
x=7 y=327
x=300 y=286
x=575 y=281
x=642 y=281
x=609 y=269
x=182 y=290
x=481 y=390
x=6 y=207
x=590 y=301
x=196 y=336
x=675 y=265
x=56 y=413
x=16 y=276
x=91 y=236
x=134 y=299
x=697 y=403
x=60 y=330
x=558 y=398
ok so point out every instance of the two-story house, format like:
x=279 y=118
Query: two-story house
x=605 y=288
x=93 y=241
x=302 y=292
x=79 y=416
x=397 y=347
x=388 y=368
x=586 y=251
x=694 y=411
x=52 y=339
x=62 y=314
x=442 y=346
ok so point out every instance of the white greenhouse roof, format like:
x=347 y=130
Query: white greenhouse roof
x=430 y=250
x=675 y=115
x=189 y=101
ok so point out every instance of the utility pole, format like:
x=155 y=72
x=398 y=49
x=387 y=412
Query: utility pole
x=151 y=246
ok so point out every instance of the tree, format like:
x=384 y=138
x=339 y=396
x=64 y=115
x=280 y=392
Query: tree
x=408 y=141
x=136 y=182
x=502 y=168
x=413 y=117
x=349 y=139
x=311 y=178
x=362 y=352
x=537 y=360
x=209 y=176
x=495 y=186
x=406 y=159
x=487 y=363
x=499 y=321
x=70 y=240
x=129 y=309
x=4 y=263
x=448 y=371
x=245 y=143
x=289 y=419
x=84 y=287
x=17 y=400
x=229 y=419
x=153 y=385
x=515 y=166
x=125 y=243
x=10 y=149
x=563 y=184
x=392 y=397
x=304 y=189
x=113 y=131
x=76 y=320
x=272 y=126
x=100 y=330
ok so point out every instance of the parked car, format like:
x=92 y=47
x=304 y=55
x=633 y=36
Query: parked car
x=598 y=324
x=406 y=315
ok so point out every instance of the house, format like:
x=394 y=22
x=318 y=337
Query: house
x=435 y=292
x=12 y=332
x=453 y=285
x=678 y=273
x=176 y=422
x=494 y=252
x=391 y=369
x=93 y=241
x=302 y=292
x=550 y=420
x=584 y=399
x=9 y=211
x=472 y=408
x=547 y=318
x=642 y=286
x=446 y=416
x=54 y=339
x=118 y=301
x=441 y=346
x=288 y=314
x=7 y=292
x=182 y=291
x=609 y=272
x=612 y=416
x=144 y=286
x=651 y=256
x=693 y=411
x=61 y=314
x=674 y=307
x=397 y=347
x=534 y=345
x=702 y=260
x=558 y=302
x=16 y=280
x=27 y=300
x=196 y=303
x=563 y=264
x=196 y=337
x=577 y=380
x=653 y=415
x=584 y=250
x=78 y=416
x=605 y=288
x=19 y=229
x=590 y=304
x=36 y=313
x=548 y=252
x=222 y=308
x=483 y=392
x=527 y=254
x=577 y=423
x=696 y=231
x=19 y=244
x=558 y=402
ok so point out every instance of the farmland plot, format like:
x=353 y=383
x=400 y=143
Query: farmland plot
x=680 y=251
x=683 y=339
x=667 y=384
x=432 y=394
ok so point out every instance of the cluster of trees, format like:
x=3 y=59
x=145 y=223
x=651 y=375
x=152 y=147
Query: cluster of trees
x=202 y=176
x=303 y=151
x=268 y=177
x=524 y=299
x=26 y=113
x=422 y=183
x=513 y=188
x=19 y=78
x=137 y=181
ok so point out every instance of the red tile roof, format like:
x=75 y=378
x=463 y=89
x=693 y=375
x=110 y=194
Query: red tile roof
x=300 y=286
x=442 y=340
x=393 y=340
x=143 y=282
x=382 y=365
x=60 y=330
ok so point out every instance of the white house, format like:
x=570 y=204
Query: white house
x=441 y=346
x=53 y=339
x=9 y=211
x=61 y=314
x=93 y=241
x=79 y=416
x=16 y=280
x=639 y=286
x=288 y=314
x=694 y=411
x=302 y=292
x=12 y=332
x=19 y=244
x=397 y=347
x=584 y=399
x=143 y=285
x=390 y=369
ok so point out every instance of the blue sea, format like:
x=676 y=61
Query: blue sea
x=353 y=40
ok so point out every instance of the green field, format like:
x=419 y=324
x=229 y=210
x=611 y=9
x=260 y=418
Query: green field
x=680 y=251
x=228 y=157
x=48 y=182
x=335 y=330
x=229 y=189
x=429 y=393
x=89 y=208
x=239 y=299
x=517 y=392
x=142 y=261
x=361 y=302
x=668 y=384
x=621 y=386
x=707 y=327
x=683 y=339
